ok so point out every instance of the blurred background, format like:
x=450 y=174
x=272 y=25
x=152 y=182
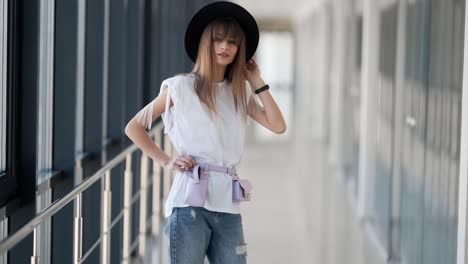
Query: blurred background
x=372 y=168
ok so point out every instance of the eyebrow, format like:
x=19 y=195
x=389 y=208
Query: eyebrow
x=220 y=34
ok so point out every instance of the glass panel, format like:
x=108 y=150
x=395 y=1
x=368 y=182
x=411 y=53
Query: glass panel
x=412 y=148
x=430 y=154
x=385 y=128
x=351 y=104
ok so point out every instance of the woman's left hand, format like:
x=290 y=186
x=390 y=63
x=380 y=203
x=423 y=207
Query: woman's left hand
x=253 y=72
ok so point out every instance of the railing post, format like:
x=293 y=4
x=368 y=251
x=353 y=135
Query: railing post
x=3 y=235
x=127 y=210
x=35 y=257
x=78 y=230
x=167 y=173
x=106 y=217
x=43 y=236
x=143 y=205
x=156 y=212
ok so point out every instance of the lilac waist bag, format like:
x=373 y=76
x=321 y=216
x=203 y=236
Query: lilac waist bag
x=197 y=184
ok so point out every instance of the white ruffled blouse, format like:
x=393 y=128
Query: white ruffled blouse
x=193 y=133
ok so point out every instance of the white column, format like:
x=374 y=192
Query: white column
x=463 y=180
x=336 y=81
x=369 y=89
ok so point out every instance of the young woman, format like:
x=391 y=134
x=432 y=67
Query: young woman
x=205 y=114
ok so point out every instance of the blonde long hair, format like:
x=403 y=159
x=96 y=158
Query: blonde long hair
x=235 y=73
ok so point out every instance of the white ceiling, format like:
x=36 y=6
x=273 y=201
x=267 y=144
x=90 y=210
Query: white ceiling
x=278 y=9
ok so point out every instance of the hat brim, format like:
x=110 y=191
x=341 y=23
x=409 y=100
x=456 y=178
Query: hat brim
x=215 y=10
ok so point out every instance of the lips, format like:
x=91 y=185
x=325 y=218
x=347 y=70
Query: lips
x=223 y=55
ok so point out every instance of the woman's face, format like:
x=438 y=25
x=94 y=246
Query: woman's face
x=225 y=49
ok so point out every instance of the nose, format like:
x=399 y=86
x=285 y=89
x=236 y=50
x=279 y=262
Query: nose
x=224 y=44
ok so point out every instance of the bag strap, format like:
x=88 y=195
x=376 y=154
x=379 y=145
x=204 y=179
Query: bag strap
x=203 y=166
x=211 y=167
x=227 y=170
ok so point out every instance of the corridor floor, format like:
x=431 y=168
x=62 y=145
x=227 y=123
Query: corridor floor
x=275 y=221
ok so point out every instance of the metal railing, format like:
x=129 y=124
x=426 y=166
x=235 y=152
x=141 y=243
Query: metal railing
x=146 y=222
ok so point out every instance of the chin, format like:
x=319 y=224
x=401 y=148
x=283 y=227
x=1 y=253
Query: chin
x=224 y=63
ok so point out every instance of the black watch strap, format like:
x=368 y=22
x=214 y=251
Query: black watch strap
x=261 y=89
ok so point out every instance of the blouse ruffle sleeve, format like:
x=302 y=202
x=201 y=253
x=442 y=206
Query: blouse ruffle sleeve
x=168 y=115
x=146 y=114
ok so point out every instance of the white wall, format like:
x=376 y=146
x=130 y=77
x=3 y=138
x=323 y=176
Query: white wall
x=311 y=71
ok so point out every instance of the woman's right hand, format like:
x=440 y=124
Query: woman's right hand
x=181 y=163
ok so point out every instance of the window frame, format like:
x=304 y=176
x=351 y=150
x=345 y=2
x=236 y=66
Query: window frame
x=8 y=178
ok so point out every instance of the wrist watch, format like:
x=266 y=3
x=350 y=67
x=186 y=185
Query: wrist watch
x=261 y=89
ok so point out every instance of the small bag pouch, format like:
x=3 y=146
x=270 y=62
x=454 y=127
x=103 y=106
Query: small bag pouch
x=197 y=187
x=241 y=190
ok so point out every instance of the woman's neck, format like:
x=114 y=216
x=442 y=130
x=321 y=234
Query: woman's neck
x=219 y=73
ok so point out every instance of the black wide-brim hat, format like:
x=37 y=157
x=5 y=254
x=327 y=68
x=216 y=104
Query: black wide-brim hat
x=215 y=10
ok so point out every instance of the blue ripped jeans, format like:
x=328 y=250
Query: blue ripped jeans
x=194 y=232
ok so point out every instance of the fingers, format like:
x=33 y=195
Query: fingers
x=189 y=160
x=184 y=162
x=251 y=65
